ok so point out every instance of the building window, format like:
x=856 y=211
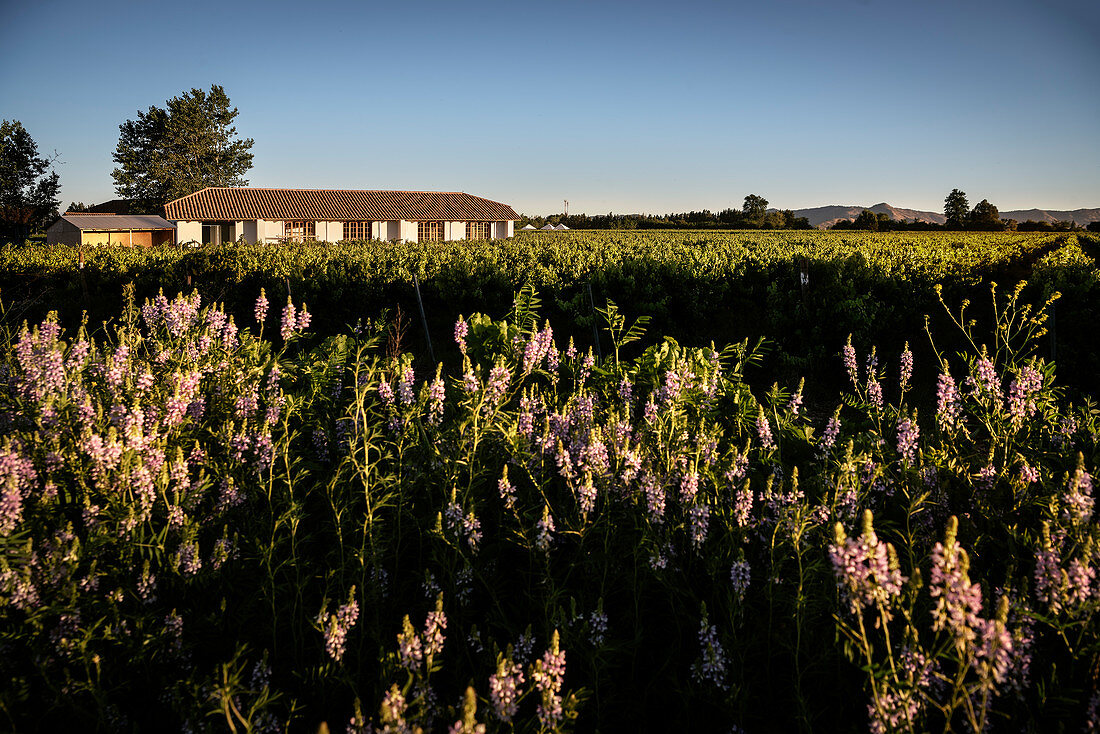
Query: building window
x=429 y=231
x=479 y=230
x=356 y=230
x=297 y=230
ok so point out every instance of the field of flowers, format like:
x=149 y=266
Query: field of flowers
x=269 y=523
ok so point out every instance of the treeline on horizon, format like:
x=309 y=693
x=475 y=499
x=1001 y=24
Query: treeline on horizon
x=754 y=214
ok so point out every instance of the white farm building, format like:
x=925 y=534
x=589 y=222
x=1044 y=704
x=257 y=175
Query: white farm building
x=219 y=215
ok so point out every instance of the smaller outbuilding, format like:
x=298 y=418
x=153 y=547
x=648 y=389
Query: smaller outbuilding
x=129 y=230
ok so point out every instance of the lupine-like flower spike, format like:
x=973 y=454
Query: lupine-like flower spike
x=548 y=675
x=289 y=320
x=948 y=408
x=505 y=688
x=850 y=363
x=17 y=477
x=336 y=626
x=905 y=368
x=764 y=431
x=866 y=569
x=468 y=723
x=544 y=530
x=410 y=652
x=832 y=430
x=908 y=434
x=712 y=664
x=740 y=574
x=958 y=601
x=434 y=625
x=1021 y=394
x=1077 y=500
x=461 y=330
x=795 y=404
x=261 y=307
x=436 y=394
x=392 y=711
x=507 y=490
x=1051 y=581
x=405 y=386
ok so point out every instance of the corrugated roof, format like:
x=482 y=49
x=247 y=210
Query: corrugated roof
x=235 y=204
x=118 y=221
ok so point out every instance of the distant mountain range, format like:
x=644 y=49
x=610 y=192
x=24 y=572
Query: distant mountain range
x=826 y=216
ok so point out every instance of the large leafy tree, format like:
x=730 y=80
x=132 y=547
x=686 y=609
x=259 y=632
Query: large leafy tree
x=186 y=146
x=754 y=209
x=957 y=209
x=28 y=194
x=986 y=217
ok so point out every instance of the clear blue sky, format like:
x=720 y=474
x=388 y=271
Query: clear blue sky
x=624 y=107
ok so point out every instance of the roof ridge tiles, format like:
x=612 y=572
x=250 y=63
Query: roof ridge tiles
x=350 y=191
x=237 y=203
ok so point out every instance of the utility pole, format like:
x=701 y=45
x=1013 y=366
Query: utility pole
x=567 y=207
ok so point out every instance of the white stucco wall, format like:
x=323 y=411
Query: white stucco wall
x=188 y=232
x=329 y=231
x=407 y=231
x=455 y=231
x=266 y=230
x=503 y=230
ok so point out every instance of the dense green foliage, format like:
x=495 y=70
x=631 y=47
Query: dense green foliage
x=697 y=286
x=28 y=195
x=175 y=150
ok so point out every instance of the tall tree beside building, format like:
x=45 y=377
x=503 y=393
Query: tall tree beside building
x=28 y=194
x=188 y=145
x=957 y=209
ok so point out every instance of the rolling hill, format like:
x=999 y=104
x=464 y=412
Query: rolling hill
x=826 y=216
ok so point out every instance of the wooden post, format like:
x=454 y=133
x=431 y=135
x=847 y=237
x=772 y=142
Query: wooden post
x=1053 y=331
x=423 y=318
x=595 y=331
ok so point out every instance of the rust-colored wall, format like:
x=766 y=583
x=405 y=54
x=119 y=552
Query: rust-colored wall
x=95 y=238
x=137 y=238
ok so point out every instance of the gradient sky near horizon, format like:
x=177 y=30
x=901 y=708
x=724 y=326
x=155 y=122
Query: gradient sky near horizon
x=626 y=107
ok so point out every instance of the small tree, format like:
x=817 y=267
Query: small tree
x=986 y=217
x=871 y=221
x=957 y=209
x=754 y=209
x=190 y=144
x=28 y=195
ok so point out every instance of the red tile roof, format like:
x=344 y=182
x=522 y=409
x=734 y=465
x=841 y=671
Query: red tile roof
x=325 y=204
